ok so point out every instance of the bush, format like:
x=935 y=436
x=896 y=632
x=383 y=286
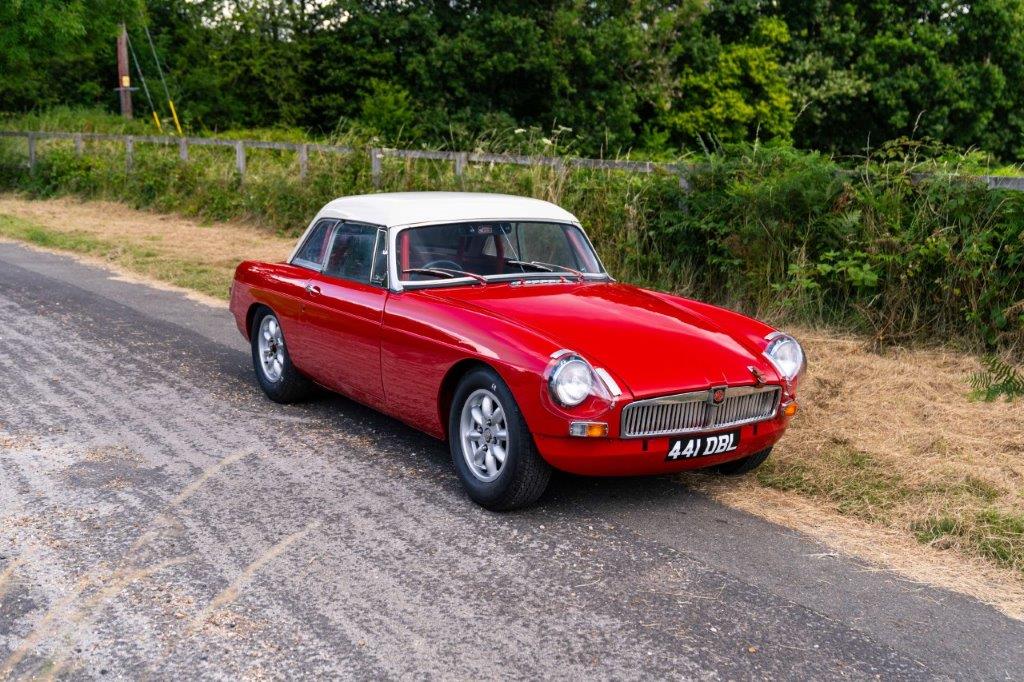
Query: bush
x=769 y=230
x=886 y=250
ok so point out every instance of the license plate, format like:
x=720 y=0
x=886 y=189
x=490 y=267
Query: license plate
x=703 y=446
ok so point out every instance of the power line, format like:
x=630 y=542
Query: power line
x=160 y=72
x=145 y=88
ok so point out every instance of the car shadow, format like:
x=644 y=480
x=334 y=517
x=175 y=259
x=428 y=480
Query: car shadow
x=387 y=434
x=570 y=489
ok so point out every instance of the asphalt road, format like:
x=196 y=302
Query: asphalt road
x=160 y=518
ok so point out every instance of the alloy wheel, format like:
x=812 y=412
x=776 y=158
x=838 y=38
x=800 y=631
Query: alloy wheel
x=483 y=434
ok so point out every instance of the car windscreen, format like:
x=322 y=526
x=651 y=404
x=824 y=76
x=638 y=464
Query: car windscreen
x=494 y=248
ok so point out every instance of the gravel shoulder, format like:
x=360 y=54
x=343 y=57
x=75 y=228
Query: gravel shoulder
x=159 y=517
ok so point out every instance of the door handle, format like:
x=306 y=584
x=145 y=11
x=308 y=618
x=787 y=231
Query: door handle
x=312 y=290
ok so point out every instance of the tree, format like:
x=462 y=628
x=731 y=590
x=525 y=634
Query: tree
x=834 y=75
x=739 y=93
x=872 y=70
x=59 y=51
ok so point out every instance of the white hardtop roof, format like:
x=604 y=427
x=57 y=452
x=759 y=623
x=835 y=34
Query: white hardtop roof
x=422 y=208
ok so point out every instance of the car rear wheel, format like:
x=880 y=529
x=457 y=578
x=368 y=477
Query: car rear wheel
x=492 y=449
x=738 y=467
x=275 y=372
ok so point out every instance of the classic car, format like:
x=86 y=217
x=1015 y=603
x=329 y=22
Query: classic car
x=488 y=321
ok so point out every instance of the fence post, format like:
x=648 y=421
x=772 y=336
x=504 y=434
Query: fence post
x=31 y=152
x=240 y=158
x=129 y=152
x=461 y=158
x=375 y=155
x=558 y=165
x=79 y=146
x=303 y=161
x=684 y=182
x=183 y=148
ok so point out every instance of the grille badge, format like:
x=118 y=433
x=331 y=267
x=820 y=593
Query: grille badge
x=716 y=395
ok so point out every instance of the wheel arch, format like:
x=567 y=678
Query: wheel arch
x=450 y=383
x=250 y=315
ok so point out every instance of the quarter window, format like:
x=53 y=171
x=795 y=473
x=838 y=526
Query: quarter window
x=352 y=253
x=313 y=250
x=379 y=274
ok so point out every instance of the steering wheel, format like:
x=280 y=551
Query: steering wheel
x=445 y=264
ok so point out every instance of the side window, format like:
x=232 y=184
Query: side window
x=352 y=252
x=547 y=243
x=311 y=253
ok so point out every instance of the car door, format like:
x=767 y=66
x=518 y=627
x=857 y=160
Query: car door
x=294 y=283
x=343 y=312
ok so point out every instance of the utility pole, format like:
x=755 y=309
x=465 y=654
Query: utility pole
x=124 y=82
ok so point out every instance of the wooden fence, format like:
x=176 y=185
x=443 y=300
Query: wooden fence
x=459 y=160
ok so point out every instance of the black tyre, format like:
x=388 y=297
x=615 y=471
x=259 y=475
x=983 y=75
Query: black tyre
x=738 y=467
x=275 y=372
x=492 y=449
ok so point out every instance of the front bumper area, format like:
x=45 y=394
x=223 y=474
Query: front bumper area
x=646 y=456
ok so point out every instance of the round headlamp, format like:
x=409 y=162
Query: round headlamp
x=571 y=381
x=787 y=355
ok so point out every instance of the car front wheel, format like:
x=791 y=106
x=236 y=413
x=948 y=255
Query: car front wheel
x=275 y=372
x=492 y=449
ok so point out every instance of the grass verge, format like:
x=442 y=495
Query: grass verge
x=183 y=253
x=890 y=457
x=952 y=508
x=145 y=259
x=893 y=443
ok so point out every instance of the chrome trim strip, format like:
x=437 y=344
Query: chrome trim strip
x=397 y=284
x=803 y=365
x=526 y=278
x=609 y=383
x=641 y=419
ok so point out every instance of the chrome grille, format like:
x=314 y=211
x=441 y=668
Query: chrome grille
x=688 y=412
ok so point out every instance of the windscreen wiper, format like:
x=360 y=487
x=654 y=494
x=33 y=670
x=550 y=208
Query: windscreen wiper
x=450 y=273
x=546 y=267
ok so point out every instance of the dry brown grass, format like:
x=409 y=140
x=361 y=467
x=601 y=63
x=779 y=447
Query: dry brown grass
x=183 y=252
x=909 y=408
x=889 y=459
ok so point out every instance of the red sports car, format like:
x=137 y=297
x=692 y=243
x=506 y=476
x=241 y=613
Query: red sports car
x=488 y=321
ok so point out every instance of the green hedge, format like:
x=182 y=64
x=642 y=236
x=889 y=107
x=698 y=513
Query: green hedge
x=766 y=229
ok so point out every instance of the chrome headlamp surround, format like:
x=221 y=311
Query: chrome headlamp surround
x=786 y=355
x=571 y=380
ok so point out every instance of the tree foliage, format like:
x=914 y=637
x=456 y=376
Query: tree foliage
x=656 y=75
x=58 y=51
